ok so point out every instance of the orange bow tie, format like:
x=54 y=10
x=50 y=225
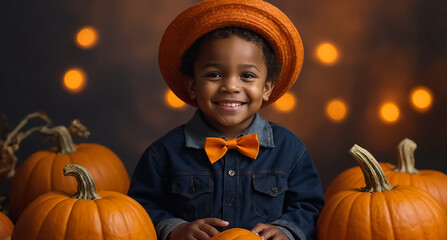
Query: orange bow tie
x=216 y=148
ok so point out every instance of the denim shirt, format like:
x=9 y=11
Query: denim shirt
x=176 y=183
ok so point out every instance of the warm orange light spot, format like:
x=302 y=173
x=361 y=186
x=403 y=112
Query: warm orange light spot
x=87 y=37
x=75 y=80
x=389 y=112
x=285 y=103
x=336 y=110
x=172 y=100
x=327 y=53
x=421 y=98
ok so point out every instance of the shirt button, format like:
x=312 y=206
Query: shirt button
x=231 y=172
x=230 y=201
x=274 y=189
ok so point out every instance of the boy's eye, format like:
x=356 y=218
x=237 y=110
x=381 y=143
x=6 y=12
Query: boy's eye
x=213 y=75
x=248 y=75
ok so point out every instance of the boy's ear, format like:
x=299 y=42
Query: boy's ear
x=268 y=88
x=191 y=87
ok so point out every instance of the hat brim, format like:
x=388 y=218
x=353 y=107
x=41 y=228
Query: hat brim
x=255 y=15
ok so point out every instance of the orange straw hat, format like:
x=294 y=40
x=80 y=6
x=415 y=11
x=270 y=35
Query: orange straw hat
x=256 y=15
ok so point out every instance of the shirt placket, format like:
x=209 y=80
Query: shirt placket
x=230 y=188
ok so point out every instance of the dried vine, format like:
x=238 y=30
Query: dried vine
x=11 y=144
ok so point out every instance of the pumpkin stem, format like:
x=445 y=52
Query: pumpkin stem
x=63 y=136
x=405 y=157
x=374 y=176
x=86 y=185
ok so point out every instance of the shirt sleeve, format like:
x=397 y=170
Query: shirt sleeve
x=165 y=227
x=148 y=187
x=304 y=199
x=286 y=232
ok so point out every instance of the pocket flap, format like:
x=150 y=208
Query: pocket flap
x=272 y=184
x=191 y=186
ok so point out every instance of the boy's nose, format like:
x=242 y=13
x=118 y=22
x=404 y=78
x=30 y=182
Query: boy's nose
x=230 y=84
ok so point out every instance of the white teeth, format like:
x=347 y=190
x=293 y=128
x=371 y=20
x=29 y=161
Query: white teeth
x=230 y=104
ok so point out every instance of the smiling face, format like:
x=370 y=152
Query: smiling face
x=229 y=83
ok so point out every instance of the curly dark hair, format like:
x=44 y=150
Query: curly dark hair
x=190 y=56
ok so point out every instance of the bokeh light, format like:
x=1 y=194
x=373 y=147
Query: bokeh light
x=87 y=37
x=327 y=53
x=75 y=80
x=421 y=98
x=286 y=103
x=172 y=100
x=336 y=110
x=389 y=112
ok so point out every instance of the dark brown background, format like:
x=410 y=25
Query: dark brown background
x=387 y=48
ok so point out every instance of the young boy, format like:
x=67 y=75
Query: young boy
x=227 y=167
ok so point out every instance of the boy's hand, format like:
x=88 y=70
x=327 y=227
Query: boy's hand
x=267 y=231
x=201 y=229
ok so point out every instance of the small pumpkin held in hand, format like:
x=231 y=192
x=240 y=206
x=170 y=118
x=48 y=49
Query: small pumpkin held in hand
x=236 y=234
x=103 y=215
x=6 y=226
x=42 y=171
x=380 y=211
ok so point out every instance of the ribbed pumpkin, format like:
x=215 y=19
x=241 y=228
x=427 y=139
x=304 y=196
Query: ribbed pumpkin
x=236 y=234
x=6 y=226
x=103 y=215
x=380 y=211
x=351 y=178
x=42 y=171
x=431 y=181
x=404 y=173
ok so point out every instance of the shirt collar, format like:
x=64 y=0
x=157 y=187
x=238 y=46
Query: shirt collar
x=197 y=130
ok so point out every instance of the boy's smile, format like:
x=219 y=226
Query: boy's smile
x=229 y=83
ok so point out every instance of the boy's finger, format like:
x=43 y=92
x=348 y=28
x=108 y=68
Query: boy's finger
x=267 y=233
x=216 y=222
x=201 y=235
x=209 y=230
x=258 y=228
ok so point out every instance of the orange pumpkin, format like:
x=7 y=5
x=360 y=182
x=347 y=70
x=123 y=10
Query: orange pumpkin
x=42 y=171
x=431 y=181
x=6 y=226
x=103 y=215
x=404 y=173
x=349 y=179
x=380 y=211
x=236 y=234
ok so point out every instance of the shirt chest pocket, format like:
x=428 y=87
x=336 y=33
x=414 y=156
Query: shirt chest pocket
x=192 y=196
x=268 y=196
